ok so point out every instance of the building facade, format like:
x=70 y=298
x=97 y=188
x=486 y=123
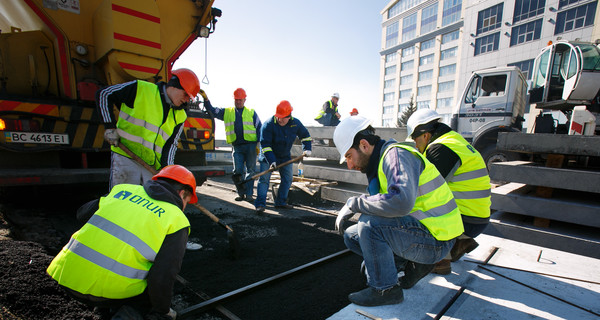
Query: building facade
x=431 y=47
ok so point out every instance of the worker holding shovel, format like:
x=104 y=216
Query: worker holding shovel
x=276 y=139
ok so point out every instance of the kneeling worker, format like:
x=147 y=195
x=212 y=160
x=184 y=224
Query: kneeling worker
x=409 y=216
x=464 y=170
x=126 y=257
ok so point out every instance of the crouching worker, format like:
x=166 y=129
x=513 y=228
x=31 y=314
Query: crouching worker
x=126 y=257
x=409 y=220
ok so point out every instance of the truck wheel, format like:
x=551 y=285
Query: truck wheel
x=490 y=155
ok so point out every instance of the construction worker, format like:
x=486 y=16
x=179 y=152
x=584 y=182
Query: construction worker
x=408 y=221
x=150 y=122
x=276 y=140
x=329 y=115
x=242 y=131
x=464 y=170
x=129 y=262
x=354 y=112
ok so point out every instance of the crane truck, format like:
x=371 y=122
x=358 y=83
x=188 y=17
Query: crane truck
x=55 y=55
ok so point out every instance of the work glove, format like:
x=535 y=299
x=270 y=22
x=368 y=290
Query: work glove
x=307 y=153
x=272 y=166
x=112 y=136
x=203 y=94
x=342 y=216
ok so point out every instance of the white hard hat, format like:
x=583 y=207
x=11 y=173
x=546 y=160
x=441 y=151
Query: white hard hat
x=419 y=117
x=344 y=133
x=335 y=95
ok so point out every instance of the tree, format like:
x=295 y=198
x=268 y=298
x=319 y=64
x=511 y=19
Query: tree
x=412 y=107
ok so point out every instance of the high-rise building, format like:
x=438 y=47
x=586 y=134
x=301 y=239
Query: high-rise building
x=431 y=47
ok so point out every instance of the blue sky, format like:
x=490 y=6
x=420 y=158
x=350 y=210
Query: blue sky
x=301 y=51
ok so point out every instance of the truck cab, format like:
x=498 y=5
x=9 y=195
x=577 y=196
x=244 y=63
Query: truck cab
x=494 y=100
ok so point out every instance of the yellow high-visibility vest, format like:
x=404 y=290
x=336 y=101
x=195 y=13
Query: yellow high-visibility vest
x=322 y=112
x=247 y=125
x=435 y=206
x=110 y=256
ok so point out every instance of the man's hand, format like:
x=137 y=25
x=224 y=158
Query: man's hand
x=203 y=94
x=273 y=165
x=112 y=136
x=343 y=215
x=338 y=115
x=307 y=153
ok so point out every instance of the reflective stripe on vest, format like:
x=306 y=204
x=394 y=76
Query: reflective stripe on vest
x=142 y=128
x=110 y=256
x=247 y=125
x=470 y=184
x=322 y=112
x=435 y=206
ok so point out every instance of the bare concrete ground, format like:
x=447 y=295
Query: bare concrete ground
x=271 y=243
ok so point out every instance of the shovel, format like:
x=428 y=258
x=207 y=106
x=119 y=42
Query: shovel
x=234 y=244
x=240 y=183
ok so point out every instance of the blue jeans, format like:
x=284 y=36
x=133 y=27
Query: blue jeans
x=244 y=163
x=378 y=239
x=263 y=185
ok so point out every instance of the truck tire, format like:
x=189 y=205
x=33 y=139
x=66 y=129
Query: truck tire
x=490 y=155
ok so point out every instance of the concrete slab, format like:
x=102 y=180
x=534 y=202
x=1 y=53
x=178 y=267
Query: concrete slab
x=516 y=283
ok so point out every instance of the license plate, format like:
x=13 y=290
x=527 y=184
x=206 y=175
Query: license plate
x=34 y=137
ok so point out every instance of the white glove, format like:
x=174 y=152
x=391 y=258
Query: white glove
x=307 y=153
x=172 y=314
x=273 y=165
x=112 y=136
x=343 y=215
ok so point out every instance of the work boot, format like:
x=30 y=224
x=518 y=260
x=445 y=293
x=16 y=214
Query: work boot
x=461 y=247
x=285 y=206
x=371 y=297
x=413 y=272
x=249 y=199
x=260 y=209
x=239 y=198
x=443 y=267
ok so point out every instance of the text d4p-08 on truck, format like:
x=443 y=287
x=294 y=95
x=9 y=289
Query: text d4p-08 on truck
x=55 y=55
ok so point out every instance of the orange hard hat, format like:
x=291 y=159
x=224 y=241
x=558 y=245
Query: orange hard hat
x=354 y=111
x=284 y=109
x=188 y=80
x=180 y=174
x=239 y=93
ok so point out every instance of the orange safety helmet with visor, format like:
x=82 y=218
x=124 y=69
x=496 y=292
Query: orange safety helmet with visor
x=180 y=174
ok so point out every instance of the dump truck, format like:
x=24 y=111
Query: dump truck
x=55 y=55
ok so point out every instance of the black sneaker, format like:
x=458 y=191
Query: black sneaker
x=413 y=272
x=239 y=198
x=371 y=297
x=249 y=199
x=461 y=247
x=260 y=209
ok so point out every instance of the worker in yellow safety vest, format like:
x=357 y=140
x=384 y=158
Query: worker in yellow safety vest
x=127 y=263
x=464 y=170
x=150 y=121
x=329 y=115
x=409 y=220
x=242 y=131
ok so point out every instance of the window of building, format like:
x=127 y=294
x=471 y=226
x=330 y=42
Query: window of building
x=444 y=103
x=487 y=43
x=527 y=9
x=408 y=65
x=423 y=90
x=448 y=70
x=407 y=79
x=409 y=27
x=448 y=53
x=388 y=109
x=490 y=18
x=390 y=70
x=391 y=57
x=525 y=66
x=429 y=18
x=423 y=104
x=526 y=32
x=389 y=97
x=446 y=86
x=408 y=51
x=402 y=6
x=579 y=17
x=425 y=60
x=405 y=94
x=449 y=37
x=387 y=84
x=403 y=106
x=428 y=44
x=425 y=75
x=564 y=3
x=451 y=12
x=391 y=35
